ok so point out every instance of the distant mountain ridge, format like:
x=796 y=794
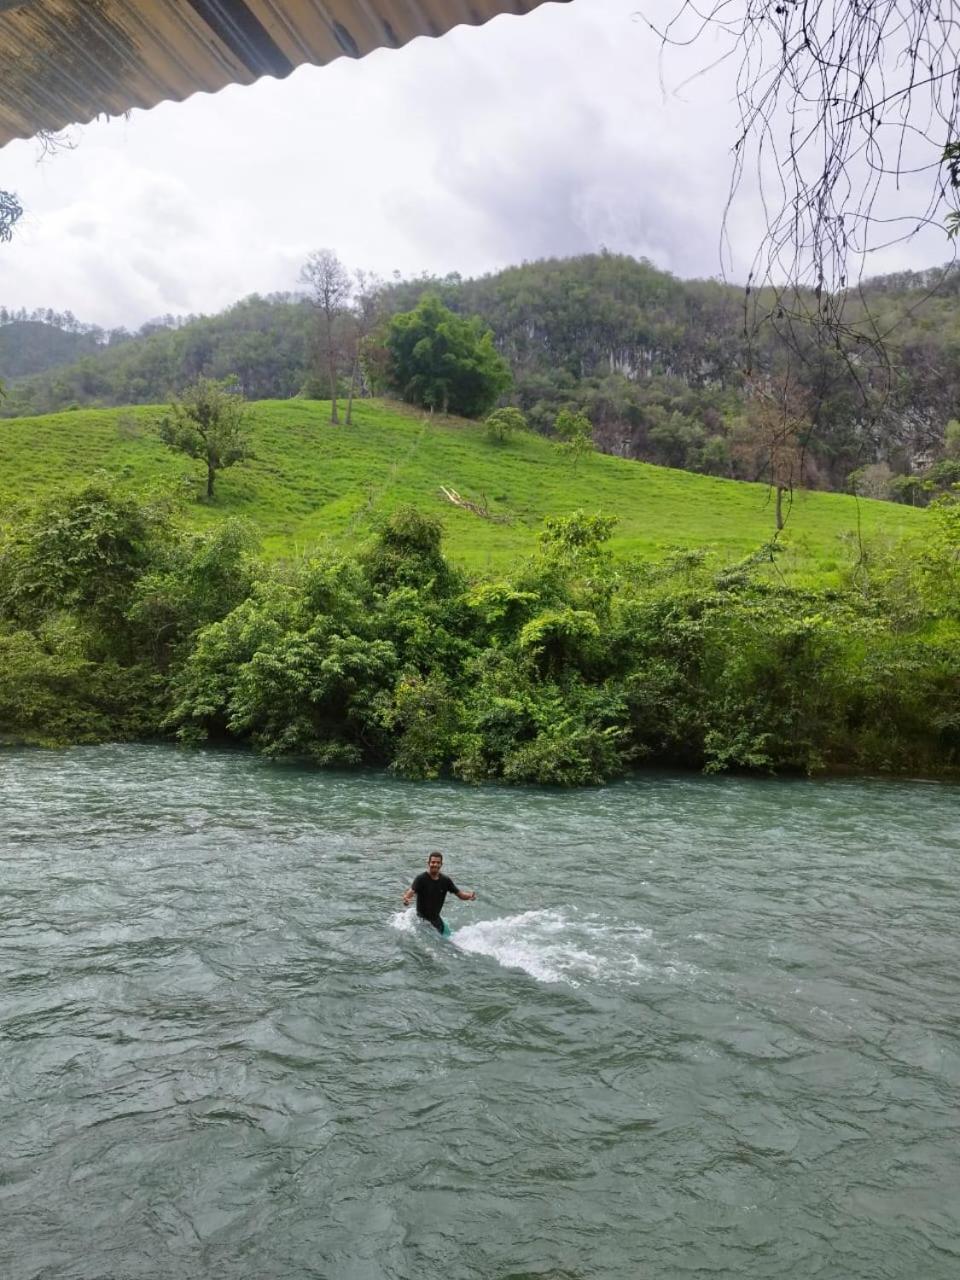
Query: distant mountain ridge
x=261 y=341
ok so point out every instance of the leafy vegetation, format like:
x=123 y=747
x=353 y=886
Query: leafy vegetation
x=116 y=622
x=33 y=346
x=207 y=423
x=502 y=424
x=576 y=433
x=264 y=344
x=439 y=360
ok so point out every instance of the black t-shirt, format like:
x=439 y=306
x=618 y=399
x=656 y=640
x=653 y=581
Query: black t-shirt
x=431 y=893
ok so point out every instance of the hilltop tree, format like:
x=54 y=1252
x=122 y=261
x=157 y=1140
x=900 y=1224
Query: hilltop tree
x=444 y=361
x=330 y=286
x=208 y=423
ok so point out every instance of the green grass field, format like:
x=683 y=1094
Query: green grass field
x=312 y=482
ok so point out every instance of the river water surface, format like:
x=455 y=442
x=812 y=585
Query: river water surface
x=691 y=1027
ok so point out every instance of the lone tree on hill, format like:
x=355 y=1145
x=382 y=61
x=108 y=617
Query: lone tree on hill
x=778 y=416
x=330 y=286
x=208 y=422
x=576 y=434
x=503 y=423
x=443 y=361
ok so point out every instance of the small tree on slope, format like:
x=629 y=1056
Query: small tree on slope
x=208 y=422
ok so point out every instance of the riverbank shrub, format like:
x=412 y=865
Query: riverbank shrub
x=116 y=624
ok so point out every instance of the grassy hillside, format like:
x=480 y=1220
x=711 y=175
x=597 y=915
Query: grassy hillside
x=311 y=481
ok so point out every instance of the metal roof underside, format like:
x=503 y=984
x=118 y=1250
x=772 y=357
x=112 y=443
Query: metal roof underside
x=64 y=62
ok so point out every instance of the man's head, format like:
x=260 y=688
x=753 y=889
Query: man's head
x=434 y=863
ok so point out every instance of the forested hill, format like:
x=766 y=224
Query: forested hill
x=599 y=314
x=34 y=346
x=562 y=319
x=656 y=362
x=263 y=342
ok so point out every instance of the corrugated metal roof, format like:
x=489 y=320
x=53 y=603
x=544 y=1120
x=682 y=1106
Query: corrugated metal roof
x=63 y=62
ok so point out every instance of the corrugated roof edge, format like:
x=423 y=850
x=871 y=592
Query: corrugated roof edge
x=15 y=125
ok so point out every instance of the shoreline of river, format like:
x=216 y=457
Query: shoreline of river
x=950 y=775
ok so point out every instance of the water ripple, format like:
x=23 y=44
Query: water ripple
x=692 y=1026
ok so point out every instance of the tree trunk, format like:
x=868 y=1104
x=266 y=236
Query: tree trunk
x=779 y=507
x=211 y=476
x=353 y=383
x=331 y=356
x=334 y=414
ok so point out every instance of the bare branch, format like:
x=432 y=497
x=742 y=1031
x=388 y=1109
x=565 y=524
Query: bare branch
x=839 y=102
x=480 y=508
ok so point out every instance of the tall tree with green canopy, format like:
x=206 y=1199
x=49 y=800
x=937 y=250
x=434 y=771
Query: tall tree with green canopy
x=440 y=360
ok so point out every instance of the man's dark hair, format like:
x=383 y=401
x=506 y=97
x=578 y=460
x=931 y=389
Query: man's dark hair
x=434 y=855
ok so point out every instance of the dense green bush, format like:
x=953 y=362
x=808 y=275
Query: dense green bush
x=444 y=361
x=116 y=624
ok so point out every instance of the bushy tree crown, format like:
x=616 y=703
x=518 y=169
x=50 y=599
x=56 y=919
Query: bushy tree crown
x=440 y=360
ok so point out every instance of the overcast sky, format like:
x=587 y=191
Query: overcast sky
x=543 y=135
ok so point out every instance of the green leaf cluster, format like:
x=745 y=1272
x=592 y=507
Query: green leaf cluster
x=207 y=422
x=504 y=423
x=101 y=594
x=443 y=361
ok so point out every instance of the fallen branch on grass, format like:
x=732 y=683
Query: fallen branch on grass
x=478 y=508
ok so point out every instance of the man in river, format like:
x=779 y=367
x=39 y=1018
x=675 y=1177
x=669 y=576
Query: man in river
x=430 y=888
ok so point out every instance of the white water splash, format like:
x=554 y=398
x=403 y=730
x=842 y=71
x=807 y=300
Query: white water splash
x=405 y=921
x=552 y=947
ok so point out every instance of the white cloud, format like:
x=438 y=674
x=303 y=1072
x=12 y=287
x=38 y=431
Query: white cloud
x=547 y=134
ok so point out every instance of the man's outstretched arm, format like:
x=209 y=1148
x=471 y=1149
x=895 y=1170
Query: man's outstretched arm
x=408 y=896
x=466 y=897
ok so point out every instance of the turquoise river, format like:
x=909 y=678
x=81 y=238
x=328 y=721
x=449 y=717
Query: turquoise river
x=692 y=1027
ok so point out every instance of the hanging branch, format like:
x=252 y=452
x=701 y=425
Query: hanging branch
x=848 y=117
x=840 y=101
x=11 y=211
